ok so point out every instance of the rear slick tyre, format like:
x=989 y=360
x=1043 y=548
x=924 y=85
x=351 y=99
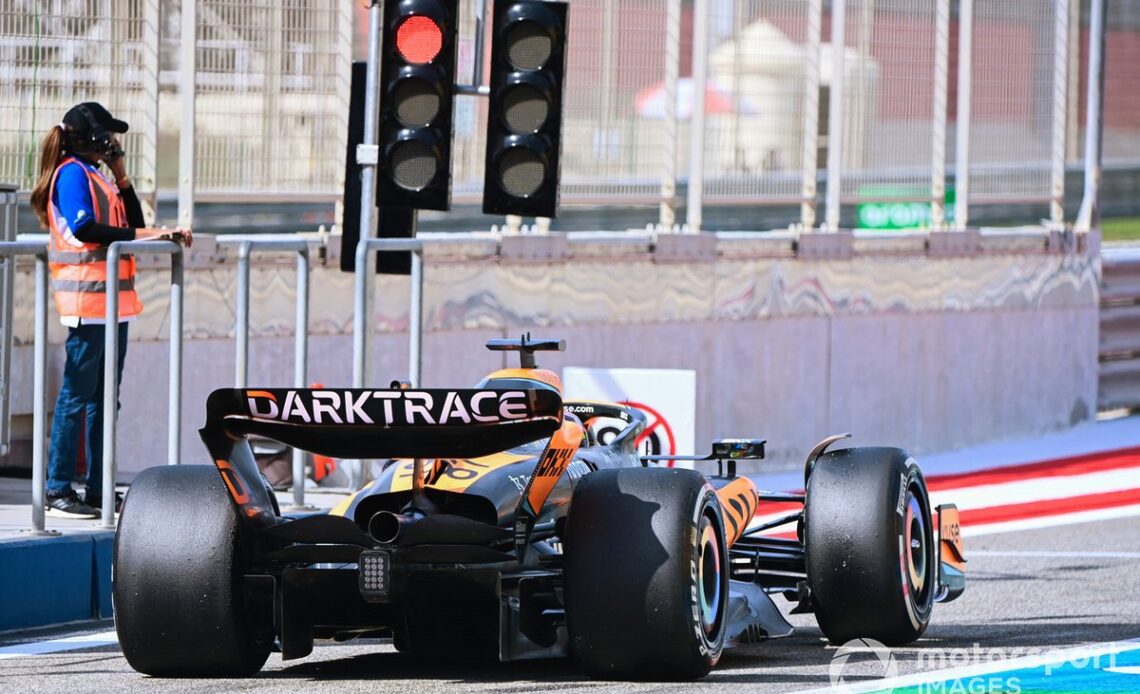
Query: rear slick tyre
x=646 y=574
x=870 y=549
x=179 y=557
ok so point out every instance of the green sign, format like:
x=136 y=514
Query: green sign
x=898 y=215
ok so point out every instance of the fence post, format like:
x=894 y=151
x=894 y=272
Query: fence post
x=1089 y=216
x=938 y=127
x=39 y=395
x=187 y=91
x=667 y=215
x=1060 y=107
x=694 y=212
x=300 y=362
x=810 y=148
x=835 y=116
x=241 y=317
x=965 y=99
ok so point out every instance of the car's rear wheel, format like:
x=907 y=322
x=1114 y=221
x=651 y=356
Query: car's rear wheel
x=180 y=609
x=646 y=574
x=870 y=546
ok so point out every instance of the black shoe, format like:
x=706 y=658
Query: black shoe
x=96 y=502
x=68 y=505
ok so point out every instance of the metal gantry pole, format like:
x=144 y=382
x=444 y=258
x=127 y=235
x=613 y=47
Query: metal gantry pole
x=361 y=325
x=111 y=360
x=1089 y=216
x=835 y=114
x=965 y=102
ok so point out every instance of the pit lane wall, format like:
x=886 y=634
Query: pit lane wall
x=927 y=341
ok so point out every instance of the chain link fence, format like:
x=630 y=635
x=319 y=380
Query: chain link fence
x=273 y=90
x=1011 y=132
x=272 y=96
x=56 y=53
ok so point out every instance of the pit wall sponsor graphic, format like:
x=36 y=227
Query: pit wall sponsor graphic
x=389 y=407
x=667 y=396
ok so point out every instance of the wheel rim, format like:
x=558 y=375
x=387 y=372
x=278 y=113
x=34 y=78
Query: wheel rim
x=708 y=576
x=916 y=548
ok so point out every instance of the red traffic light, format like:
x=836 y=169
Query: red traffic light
x=419 y=39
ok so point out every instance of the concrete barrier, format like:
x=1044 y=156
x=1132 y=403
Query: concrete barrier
x=928 y=341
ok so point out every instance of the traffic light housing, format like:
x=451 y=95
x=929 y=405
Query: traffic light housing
x=417 y=87
x=524 y=124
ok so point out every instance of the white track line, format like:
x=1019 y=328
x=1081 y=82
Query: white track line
x=1032 y=489
x=1044 y=554
x=1050 y=521
x=71 y=643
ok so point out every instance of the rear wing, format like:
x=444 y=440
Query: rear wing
x=361 y=423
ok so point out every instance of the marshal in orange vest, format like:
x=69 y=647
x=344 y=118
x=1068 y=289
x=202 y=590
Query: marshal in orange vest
x=79 y=270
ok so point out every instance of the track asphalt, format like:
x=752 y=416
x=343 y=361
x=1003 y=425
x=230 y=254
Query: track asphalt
x=1052 y=604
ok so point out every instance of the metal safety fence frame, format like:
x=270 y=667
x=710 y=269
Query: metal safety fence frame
x=361 y=325
x=38 y=248
x=246 y=246
x=111 y=361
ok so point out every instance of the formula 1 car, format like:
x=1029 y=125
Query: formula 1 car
x=501 y=526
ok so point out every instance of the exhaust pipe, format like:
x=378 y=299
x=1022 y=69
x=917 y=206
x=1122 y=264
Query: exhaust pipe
x=385 y=526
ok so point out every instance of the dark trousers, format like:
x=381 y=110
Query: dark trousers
x=80 y=397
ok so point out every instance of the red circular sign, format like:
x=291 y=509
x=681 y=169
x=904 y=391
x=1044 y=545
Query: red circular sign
x=419 y=39
x=668 y=446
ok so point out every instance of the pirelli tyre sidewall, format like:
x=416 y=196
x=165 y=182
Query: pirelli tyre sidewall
x=870 y=549
x=646 y=574
x=180 y=554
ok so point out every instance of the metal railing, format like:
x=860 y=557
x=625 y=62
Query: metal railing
x=111 y=361
x=361 y=327
x=246 y=246
x=38 y=248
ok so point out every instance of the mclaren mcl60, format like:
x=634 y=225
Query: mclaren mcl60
x=501 y=526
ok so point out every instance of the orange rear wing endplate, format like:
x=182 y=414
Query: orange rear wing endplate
x=551 y=466
x=951 y=554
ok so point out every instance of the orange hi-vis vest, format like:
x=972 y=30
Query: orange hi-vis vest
x=79 y=270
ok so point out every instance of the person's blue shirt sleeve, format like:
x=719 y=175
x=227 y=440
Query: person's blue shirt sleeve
x=73 y=199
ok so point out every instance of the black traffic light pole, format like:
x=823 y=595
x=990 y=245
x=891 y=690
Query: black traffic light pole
x=408 y=112
x=368 y=157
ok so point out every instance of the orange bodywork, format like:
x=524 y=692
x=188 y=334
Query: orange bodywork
x=738 y=500
x=541 y=375
x=951 y=549
x=555 y=459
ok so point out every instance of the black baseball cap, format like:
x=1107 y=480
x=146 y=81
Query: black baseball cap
x=79 y=118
